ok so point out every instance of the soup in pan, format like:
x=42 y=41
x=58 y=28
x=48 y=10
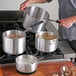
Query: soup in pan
x=14 y=36
x=47 y=37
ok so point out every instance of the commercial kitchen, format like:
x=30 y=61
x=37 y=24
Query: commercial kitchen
x=48 y=63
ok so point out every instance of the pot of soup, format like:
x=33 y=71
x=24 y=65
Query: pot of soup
x=14 y=42
x=46 y=41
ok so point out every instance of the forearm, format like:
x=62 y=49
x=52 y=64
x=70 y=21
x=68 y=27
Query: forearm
x=67 y=22
x=39 y=1
x=27 y=2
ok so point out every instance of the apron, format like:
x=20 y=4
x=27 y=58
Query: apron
x=67 y=8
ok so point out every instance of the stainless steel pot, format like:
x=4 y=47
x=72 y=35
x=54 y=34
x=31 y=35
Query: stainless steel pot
x=26 y=63
x=14 y=42
x=46 y=45
x=33 y=15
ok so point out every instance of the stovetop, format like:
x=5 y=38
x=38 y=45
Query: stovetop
x=31 y=50
x=63 y=50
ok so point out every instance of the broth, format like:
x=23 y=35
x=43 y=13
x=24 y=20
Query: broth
x=47 y=37
x=14 y=36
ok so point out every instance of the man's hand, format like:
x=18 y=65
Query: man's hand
x=67 y=22
x=25 y=4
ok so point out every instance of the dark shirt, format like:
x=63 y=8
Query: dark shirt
x=67 y=8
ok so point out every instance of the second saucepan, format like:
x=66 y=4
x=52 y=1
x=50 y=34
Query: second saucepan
x=46 y=41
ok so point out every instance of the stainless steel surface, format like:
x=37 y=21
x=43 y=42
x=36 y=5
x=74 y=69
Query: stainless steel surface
x=66 y=49
x=14 y=45
x=38 y=28
x=11 y=16
x=51 y=27
x=34 y=14
x=26 y=63
x=45 y=45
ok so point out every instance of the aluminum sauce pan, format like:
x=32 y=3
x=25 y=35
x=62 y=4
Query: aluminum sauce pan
x=26 y=64
x=14 y=42
x=43 y=44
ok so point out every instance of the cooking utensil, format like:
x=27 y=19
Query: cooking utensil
x=14 y=42
x=35 y=14
x=26 y=63
x=46 y=41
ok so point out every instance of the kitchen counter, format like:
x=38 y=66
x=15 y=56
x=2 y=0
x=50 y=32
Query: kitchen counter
x=44 y=69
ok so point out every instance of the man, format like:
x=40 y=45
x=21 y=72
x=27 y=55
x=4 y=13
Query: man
x=67 y=16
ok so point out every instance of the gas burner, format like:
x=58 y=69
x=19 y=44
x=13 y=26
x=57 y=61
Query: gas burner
x=49 y=55
x=7 y=58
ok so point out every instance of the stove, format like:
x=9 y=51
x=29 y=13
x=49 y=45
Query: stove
x=13 y=20
x=31 y=50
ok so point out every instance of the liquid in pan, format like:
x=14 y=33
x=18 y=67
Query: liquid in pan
x=47 y=37
x=14 y=36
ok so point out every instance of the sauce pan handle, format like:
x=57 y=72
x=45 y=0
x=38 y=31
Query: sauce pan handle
x=54 y=60
x=54 y=20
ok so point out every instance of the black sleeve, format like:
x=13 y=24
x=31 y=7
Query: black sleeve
x=49 y=0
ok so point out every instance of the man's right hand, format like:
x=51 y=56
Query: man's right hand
x=25 y=4
x=67 y=22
